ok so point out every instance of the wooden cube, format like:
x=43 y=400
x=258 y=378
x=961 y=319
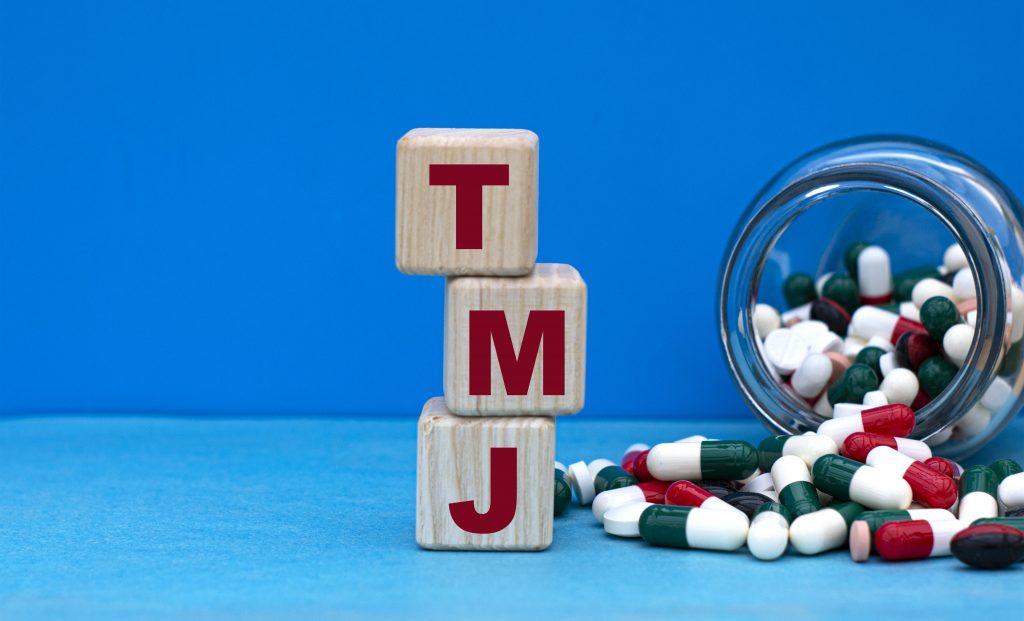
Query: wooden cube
x=488 y=177
x=516 y=346
x=484 y=483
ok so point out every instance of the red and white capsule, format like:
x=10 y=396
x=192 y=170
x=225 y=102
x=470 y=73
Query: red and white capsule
x=858 y=445
x=930 y=488
x=869 y=321
x=649 y=491
x=893 y=420
x=688 y=494
x=874 y=276
x=916 y=539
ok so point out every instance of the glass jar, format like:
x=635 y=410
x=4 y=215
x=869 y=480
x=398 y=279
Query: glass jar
x=913 y=198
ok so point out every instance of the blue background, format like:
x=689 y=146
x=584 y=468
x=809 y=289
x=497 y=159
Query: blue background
x=197 y=199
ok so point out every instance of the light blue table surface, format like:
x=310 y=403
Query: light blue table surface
x=228 y=518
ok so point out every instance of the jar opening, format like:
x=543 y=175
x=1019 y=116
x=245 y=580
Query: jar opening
x=910 y=215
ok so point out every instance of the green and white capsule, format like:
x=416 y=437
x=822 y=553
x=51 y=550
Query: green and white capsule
x=688 y=527
x=609 y=475
x=769 y=531
x=977 y=494
x=807 y=447
x=729 y=460
x=823 y=530
x=793 y=482
x=1010 y=477
x=846 y=479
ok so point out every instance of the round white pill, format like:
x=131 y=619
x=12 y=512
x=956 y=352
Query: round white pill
x=582 y=483
x=786 y=348
x=974 y=421
x=957 y=343
x=900 y=386
x=624 y=521
x=996 y=394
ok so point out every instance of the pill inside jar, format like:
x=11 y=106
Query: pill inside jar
x=868 y=286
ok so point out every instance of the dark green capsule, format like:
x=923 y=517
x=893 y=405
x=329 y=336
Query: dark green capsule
x=849 y=510
x=939 y=314
x=1015 y=522
x=853 y=384
x=1004 y=468
x=934 y=374
x=842 y=290
x=850 y=256
x=800 y=498
x=978 y=479
x=798 y=289
x=563 y=493
x=871 y=356
x=774 y=507
x=728 y=460
x=903 y=283
x=664 y=525
x=613 y=477
x=877 y=518
x=769 y=451
x=833 y=474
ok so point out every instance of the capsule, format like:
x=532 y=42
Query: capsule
x=896 y=419
x=845 y=479
x=947 y=467
x=629 y=456
x=989 y=546
x=648 y=491
x=978 y=494
x=874 y=276
x=582 y=483
x=624 y=521
x=563 y=494
x=769 y=531
x=688 y=494
x=863 y=529
x=730 y=460
x=916 y=539
x=807 y=448
x=858 y=445
x=1011 y=491
x=930 y=488
x=792 y=480
x=610 y=476
x=869 y=321
x=1015 y=522
x=823 y=530
x=686 y=527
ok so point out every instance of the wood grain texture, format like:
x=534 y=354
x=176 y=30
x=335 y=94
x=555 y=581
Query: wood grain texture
x=425 y=214
x=550 y=286
x=453 y=465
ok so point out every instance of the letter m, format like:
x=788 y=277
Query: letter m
x=486 y=326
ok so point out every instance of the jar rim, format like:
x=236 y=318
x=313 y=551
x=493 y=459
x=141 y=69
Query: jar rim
x=823 y=174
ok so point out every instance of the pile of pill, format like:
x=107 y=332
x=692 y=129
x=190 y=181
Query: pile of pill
x=867 y=337
x=859 y=481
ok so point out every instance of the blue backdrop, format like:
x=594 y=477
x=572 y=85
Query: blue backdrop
x=197 y=199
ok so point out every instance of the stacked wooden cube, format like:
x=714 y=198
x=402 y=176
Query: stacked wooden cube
x=514 y=338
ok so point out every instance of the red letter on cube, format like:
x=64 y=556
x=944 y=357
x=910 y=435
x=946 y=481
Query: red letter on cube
x=516 y=371
x=469 y=181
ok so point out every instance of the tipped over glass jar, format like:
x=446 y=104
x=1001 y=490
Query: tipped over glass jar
x=879 y=270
